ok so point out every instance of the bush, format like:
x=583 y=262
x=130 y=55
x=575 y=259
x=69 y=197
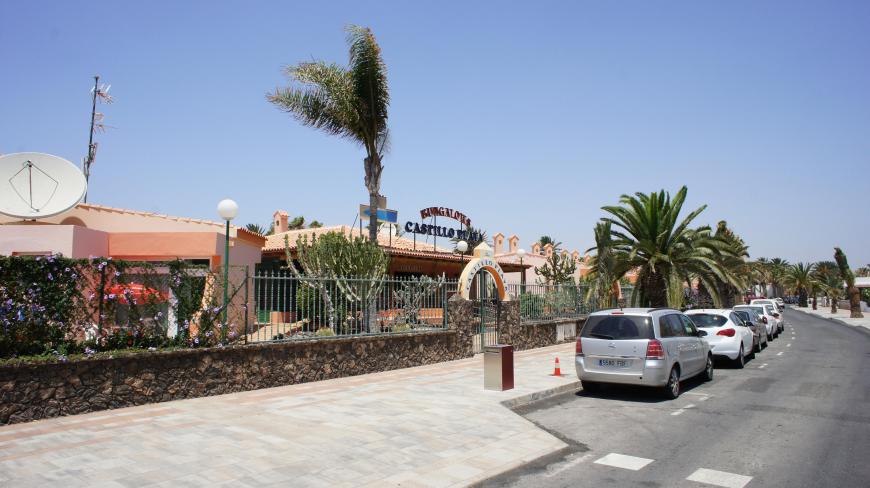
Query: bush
x=324 y=332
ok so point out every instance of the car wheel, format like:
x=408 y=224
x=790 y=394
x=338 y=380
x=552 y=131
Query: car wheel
x=708 y=370
x=740 y=361
x=769 y=337
x=590 y=387
x=757 y=347
x=672 y=389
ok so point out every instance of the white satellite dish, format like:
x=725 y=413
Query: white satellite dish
x=36 y=185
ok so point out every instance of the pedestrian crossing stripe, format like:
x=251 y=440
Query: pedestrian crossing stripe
x=719 y=478
x=622 y=461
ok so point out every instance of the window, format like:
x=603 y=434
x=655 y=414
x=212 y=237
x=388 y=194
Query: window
x=743 y=314
x=688 y=326
x=671 y=326
x=617 y=327
x=708 y=320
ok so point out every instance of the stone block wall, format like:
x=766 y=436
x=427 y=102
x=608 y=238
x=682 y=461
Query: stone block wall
x=35 y=391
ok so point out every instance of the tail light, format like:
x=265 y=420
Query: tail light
x=764 y=319
x=726 y=332
x=776 y=315
x=579 y=348
x=654 y=349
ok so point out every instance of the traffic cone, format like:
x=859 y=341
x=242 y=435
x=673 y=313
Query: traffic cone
x=557 y=371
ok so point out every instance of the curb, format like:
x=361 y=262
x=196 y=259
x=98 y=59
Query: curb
x=524 y=400
x=859 y=328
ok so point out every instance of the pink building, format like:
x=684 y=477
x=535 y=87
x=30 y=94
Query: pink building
x=95 y=230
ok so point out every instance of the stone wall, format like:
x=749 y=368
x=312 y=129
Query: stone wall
x=36 y=391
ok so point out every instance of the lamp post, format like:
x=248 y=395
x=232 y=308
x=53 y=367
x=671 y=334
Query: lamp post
x=522 y=253
x=461 y=246
x=227 y=209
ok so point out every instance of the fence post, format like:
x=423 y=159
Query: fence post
x=246 y=303
x=100 y=304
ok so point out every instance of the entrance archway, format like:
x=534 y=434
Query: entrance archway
x=483 y=261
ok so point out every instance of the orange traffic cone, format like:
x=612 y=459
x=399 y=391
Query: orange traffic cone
x=557 y=371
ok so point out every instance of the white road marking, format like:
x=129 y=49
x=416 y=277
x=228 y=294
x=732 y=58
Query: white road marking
x=681 y=410
x=703 y=396
x=719 y=478
x=569 y=464
x=763 y=366
x=779 y=353
x=788 y=345
x=623 y=461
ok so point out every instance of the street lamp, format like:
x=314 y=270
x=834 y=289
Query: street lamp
x=227 y=209
x=521 y=253
x=462 y=246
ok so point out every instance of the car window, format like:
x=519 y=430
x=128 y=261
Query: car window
x=688 y=326
x=769 y=309
x=617 y=327
x=744 y=314
x=737 y=320
x=672 y=324
x=708 y=320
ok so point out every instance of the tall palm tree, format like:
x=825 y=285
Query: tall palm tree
x=799 y=277
x=734 y=261
x=667 y=252
x=348 y=102
x=852 y=291
x=607 y=267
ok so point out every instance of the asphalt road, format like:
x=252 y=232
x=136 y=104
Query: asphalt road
x=796 y=416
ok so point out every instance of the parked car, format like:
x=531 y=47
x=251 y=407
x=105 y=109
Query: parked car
x=780 y=303
x=726 y=333
x=769 y=321
x=776 y=313
x=655 y=347
x=759 y=329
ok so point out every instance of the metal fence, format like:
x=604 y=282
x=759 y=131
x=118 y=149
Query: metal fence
x=566 y=301
x=291 y=307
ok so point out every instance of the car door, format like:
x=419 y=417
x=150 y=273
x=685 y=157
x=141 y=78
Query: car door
x=744 y=331
x=670 y=341
x=694 y=343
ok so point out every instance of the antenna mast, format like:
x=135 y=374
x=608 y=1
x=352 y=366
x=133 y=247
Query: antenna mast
x=96 y=124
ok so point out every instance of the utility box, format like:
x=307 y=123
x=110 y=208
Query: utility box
x=498 y=367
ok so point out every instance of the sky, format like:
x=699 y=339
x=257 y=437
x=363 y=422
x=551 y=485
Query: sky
x=526 y=116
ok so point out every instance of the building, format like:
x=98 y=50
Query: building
x=408 y=257
x=95 y=230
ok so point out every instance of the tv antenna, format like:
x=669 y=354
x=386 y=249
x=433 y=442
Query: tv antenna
x=36 y=185
x=100 y=92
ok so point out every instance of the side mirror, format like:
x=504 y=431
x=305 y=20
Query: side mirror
x=702 y=333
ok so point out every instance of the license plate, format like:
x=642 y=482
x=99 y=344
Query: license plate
x=614 y=363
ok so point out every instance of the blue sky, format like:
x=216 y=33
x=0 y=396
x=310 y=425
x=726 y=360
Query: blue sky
x=527 y=116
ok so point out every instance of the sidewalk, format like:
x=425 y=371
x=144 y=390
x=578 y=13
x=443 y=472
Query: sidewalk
x=841 y=315
x=429 y=426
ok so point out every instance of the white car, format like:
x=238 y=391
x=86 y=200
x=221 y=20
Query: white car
x=780 y=303
x=776 y=312
x=726 y=333
x=768 y=320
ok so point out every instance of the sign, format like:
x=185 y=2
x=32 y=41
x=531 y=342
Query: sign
x=384 y=215
x=483 y=261
x=438 y=231
x=445 y=212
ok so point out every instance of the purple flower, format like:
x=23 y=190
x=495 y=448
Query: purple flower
x=50 y=277
x=117 y=273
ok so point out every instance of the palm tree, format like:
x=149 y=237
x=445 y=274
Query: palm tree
x=799 y=277
x=348 y=102
x=734 y=261
x=256 y=228
x=777 y=272
x=665 y=250
x=852 y=291
x=607 y=267
x=473 y=237
x=829 y=281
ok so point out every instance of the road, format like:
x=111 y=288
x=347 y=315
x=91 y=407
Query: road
x=796 y=416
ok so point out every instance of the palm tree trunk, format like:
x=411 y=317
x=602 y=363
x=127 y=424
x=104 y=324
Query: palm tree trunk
x=373 y=221
x=654 y=289
x=855 y=302
x=803 y=298
x=833 y=305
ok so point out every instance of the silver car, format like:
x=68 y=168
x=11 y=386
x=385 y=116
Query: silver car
x=655 y=347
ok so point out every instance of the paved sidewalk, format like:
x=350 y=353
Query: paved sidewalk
x=841 y=315
x=420 y=427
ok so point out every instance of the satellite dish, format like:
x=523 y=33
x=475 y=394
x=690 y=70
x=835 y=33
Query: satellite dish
x=36 y=185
